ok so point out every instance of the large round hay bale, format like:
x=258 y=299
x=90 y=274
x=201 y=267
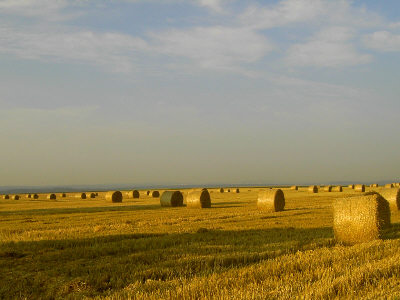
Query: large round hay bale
x=351 y=186
x=198 y=199
x=328 y=188
x=237 y=191
x=114 y=196
x=171 y=199
x=15 y=197
x=155 y=194
x=133 y=194
x=392 y=196
x=359 y=188
x=361 y=218
x=35 y=196
x=271 y=200
x=294 y=187
x=221 y=190
x=51 y=197
x=337 y=189
x=313 y=189
x=389 y=185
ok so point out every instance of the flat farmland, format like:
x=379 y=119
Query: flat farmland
x=72 y=248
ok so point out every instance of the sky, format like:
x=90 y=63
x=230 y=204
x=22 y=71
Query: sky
x=198 y=91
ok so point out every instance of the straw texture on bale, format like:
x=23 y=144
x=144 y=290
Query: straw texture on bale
x=80 y=196
x=114 y=196
x=328 y=188
x=271 y=200
x=155 y=194
x=15 y=197
x=133 y=194
x=294 y=187
x=198 y=199
x=337 y=189
x=389 y=185
x=392 y=196
x=221 y=190
x=313 y=189
x=360 y=188
x=351 y=186
x=51 y=196
x=171 y=199
x=35 y=196
x=361 y=218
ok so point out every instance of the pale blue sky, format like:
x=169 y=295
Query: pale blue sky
x=201 y=91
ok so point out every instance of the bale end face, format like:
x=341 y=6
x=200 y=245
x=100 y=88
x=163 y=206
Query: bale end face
x=155 y=194
x=271 y=200
x=198 y=199
x=361 y=218
x=114 y=196
x=51 y=197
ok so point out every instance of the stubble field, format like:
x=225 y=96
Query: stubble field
x=72 y=249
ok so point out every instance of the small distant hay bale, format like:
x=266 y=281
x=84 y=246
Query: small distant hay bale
x=351 y=186
x=133 y=194
x=80 y=196
x=294 y=187
x=389 y=185
x=361 y=218
x=63 y=195
x=328 y=188
x=91 y=195
x=114 y=196
x=35 y=196
x=198 y=199
x=271 y=200
x=6 y=197
x=337 y=188
x=171 y=199
x=148 y=193
x=155 y=194
x=392 y=196
x=29 y=196
x=237 y=191
x=359 y=188
x=313 y=189
x=221 y=190
x=51 y=197
x=15 y=197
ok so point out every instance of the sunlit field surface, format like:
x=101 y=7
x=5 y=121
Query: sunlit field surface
x=71 y=248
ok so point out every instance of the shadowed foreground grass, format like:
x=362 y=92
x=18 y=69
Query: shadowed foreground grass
x=76 y=249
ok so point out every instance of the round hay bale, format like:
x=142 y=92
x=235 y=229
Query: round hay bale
x=35 y=196
x=97 y=194
x=359 y=188
x=51 y=197
x=294 y=187
x=91 y=195
x=80 y=195
x=133 y=194
x=198 y=199
x=63 y=195
x=114 y=196
x=29 y=196
x=221 y=190
x=361 y=218
x=392 y=196
x=337 y=189
x=15 y=197
x=148 y=193
x=155 y=194
x=389 y=185
x=351 y=186
x=237 y=191
x=271 y=200
x=328 y=188
x=313 y=189
x=6 y=197
x=171 y=199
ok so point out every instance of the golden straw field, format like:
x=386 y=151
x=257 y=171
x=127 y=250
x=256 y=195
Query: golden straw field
x=72 y=248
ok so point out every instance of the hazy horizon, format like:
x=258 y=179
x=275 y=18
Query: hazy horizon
x=196 y=92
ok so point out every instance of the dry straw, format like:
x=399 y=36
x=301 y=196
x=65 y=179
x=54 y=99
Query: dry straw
x=294 y=187
x=360 y=218
x=198 y=199
x=6 y=197
x=389 y=185
x=114 y=196
x=360 y=188
x=337 y=188
x=155 y=194
x=271 y=200
x=328 y=188
x=51 y=197
x=392 y=196
x=133 y=194
x=171 y=199
x=313 y=189
x=351 y=186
